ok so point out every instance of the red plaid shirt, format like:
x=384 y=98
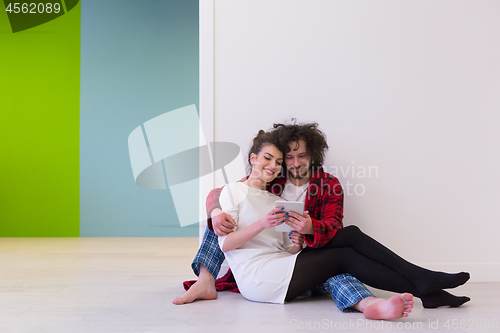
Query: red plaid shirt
x=324 y=201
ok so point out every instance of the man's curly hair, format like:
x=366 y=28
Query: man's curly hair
x=314 y=138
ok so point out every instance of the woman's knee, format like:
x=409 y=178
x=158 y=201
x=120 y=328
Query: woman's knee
x=352 y=231
x=352 y=228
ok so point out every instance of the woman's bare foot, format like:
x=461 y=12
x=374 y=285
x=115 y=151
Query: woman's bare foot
x=204 y=288
x=395 y=307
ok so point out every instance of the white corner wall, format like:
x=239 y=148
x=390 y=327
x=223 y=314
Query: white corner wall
x=408 y=94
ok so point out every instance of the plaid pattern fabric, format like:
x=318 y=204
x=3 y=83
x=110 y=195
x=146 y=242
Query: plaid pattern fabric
x=227 y=282
x=212 y=203
x=324 y=201
x=209 y=254
x=346 y=290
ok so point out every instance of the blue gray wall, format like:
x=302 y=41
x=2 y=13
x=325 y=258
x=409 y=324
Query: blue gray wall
x=139 y=59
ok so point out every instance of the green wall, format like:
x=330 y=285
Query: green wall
x=39 y=128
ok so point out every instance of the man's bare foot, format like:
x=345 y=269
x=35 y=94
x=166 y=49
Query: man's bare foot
x=204 y=288
x=199 y=290
x=395 y=307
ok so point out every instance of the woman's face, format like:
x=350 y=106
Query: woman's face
x=266 y=165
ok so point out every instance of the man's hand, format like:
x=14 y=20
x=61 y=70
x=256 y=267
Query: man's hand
x=301 y=223
x=222 y=223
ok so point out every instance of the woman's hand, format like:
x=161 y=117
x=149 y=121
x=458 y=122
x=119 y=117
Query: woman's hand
x=272 y=219
x=236 y=239
x=297 y=239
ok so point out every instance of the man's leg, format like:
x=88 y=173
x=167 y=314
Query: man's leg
x=351 y=295
x=347 y=291
x=206 y=265
x=209 y=255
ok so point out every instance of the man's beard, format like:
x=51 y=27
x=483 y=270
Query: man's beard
x=299 y=173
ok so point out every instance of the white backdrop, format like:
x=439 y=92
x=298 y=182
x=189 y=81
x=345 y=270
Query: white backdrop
x=408 y=94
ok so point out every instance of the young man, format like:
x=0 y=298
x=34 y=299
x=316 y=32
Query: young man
x=303 y=179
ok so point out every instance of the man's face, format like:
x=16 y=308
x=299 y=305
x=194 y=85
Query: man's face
x=298 y=160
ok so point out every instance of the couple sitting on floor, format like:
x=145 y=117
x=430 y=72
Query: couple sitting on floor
x=276 y=267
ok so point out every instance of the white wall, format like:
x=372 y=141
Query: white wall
x=411 y=88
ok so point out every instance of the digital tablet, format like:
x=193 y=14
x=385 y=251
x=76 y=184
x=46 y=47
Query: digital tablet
x=290 y=206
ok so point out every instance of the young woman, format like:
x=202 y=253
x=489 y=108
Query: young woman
x=271 y=267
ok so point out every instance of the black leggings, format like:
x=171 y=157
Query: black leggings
x=352 y=251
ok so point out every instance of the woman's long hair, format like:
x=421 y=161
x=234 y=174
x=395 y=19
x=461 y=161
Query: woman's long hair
x=262 y=139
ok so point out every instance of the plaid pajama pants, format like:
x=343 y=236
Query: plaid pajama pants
x=345 y=289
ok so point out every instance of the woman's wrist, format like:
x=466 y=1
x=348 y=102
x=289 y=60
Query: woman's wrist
x=260 y=226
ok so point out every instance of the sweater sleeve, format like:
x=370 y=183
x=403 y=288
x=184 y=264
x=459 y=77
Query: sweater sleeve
x=331 y=201
x=212 y=203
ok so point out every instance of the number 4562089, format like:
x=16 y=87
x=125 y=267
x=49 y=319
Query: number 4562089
x=33 y=8
x=455 y=324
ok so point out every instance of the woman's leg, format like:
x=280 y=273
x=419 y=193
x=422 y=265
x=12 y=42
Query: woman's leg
x=425 y=280
x=315 y=266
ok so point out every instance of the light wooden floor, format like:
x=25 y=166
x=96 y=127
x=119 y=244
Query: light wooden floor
x=127 y=284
